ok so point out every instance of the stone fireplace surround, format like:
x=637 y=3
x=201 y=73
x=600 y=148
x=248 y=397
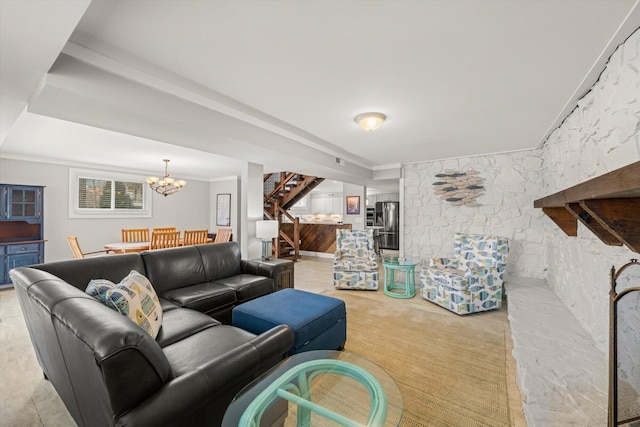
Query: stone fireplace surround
x=557 y=286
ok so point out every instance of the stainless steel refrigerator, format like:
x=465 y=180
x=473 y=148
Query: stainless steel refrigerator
x=388 y=216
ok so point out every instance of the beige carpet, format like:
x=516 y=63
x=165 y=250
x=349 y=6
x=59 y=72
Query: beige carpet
x=451 y=370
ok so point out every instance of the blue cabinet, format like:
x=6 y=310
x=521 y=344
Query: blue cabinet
x=21 y=231
x=21 y=203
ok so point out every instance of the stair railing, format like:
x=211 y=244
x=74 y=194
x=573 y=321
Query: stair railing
x=292 y=241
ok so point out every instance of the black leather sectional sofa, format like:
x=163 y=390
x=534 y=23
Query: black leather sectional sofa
x=109 y=371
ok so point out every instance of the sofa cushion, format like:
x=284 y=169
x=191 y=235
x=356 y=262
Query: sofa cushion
x=167 y=305
x=173 y=268
x=203 y=297
x=248 y=286
x=79 y=272
x=220 y=260
x=192 y=352
x=181 y=323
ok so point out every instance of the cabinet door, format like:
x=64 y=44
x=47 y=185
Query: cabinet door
x=19 y=260
x=4 y=274
x=23 y=203
x=4 y=195
x=321 y=205
x=337 y=207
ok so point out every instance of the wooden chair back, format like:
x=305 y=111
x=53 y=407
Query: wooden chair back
x=163 y=229
x=135 y=235
x=77 y=252
x=75 y=247
x=223 y=235
x=195 y=237
x=167 y=239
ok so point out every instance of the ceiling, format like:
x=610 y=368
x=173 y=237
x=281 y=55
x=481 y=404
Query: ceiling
x=215 y=84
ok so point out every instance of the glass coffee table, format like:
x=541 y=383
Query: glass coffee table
x=318 y=388
x=408 y=288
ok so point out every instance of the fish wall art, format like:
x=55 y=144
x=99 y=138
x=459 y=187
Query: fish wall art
x=459 y=188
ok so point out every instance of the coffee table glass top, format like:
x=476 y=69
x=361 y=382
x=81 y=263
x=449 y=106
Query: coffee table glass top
x=332 y=390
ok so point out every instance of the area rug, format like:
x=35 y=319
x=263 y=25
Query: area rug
x=450 y=369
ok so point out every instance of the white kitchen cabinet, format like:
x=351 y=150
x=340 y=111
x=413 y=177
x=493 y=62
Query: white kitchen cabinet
x=337 y=205
x=383 y=197
x=327 y=204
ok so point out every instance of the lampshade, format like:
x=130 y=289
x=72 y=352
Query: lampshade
x=370 y=121
x=266 y=229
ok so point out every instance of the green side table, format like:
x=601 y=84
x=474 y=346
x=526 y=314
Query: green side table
x=408 y=265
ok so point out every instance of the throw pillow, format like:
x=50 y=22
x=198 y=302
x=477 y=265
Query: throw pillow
x=133 y=297
x=98 y=288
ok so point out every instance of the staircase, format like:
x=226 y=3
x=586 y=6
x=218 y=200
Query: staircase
x=281 y=192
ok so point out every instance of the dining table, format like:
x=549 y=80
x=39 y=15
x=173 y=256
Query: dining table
x=127 y=247
x=132 y=247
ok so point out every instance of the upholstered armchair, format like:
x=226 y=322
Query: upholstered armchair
x=471 y=279
x=355 y=263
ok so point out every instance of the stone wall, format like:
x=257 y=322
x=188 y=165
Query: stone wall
x=512 y=182
x=600 y=135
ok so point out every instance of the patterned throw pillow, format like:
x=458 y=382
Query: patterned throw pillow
x=98 y=289
x=133 y=297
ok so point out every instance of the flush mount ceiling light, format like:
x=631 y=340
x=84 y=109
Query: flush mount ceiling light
x=370 y=121
x=165 y=185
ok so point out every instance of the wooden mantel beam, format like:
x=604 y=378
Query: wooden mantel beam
x=621 y=183
x=608 y=205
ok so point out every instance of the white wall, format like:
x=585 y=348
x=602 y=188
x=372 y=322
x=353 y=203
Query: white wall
x=187 y=209
x=357 y=221
x=227 y=186
x=600 y=135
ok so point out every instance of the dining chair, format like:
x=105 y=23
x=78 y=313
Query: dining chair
x=77 y=252
x=163 y=229
x=166 y=239
x=223 y=235
x=195 y=237
x=135 y=235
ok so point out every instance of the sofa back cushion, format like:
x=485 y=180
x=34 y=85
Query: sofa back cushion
x=173 y=268
x=79 y=272
x=220 y=260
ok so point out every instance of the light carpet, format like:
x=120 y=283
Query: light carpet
x=451 y=370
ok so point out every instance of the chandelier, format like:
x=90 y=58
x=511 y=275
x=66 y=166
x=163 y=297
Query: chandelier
x=165 y=185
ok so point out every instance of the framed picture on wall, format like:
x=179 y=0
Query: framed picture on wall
x=353 y=205
x=223 y=209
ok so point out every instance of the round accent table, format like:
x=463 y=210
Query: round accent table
x=319 y=388
x=408 y=265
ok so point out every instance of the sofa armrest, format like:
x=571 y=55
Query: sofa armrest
x=262 y=268
x=201 y=397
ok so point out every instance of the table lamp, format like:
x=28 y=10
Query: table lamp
x=266 y=230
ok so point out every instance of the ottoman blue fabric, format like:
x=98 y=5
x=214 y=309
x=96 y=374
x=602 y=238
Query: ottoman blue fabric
x=318 y=321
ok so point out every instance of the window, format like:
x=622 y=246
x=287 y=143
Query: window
x=101 y=194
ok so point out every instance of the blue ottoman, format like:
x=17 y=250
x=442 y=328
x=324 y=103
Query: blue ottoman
x=319 y=322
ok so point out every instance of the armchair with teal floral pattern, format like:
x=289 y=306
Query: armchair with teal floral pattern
x=355 y=263
x=471 y=280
